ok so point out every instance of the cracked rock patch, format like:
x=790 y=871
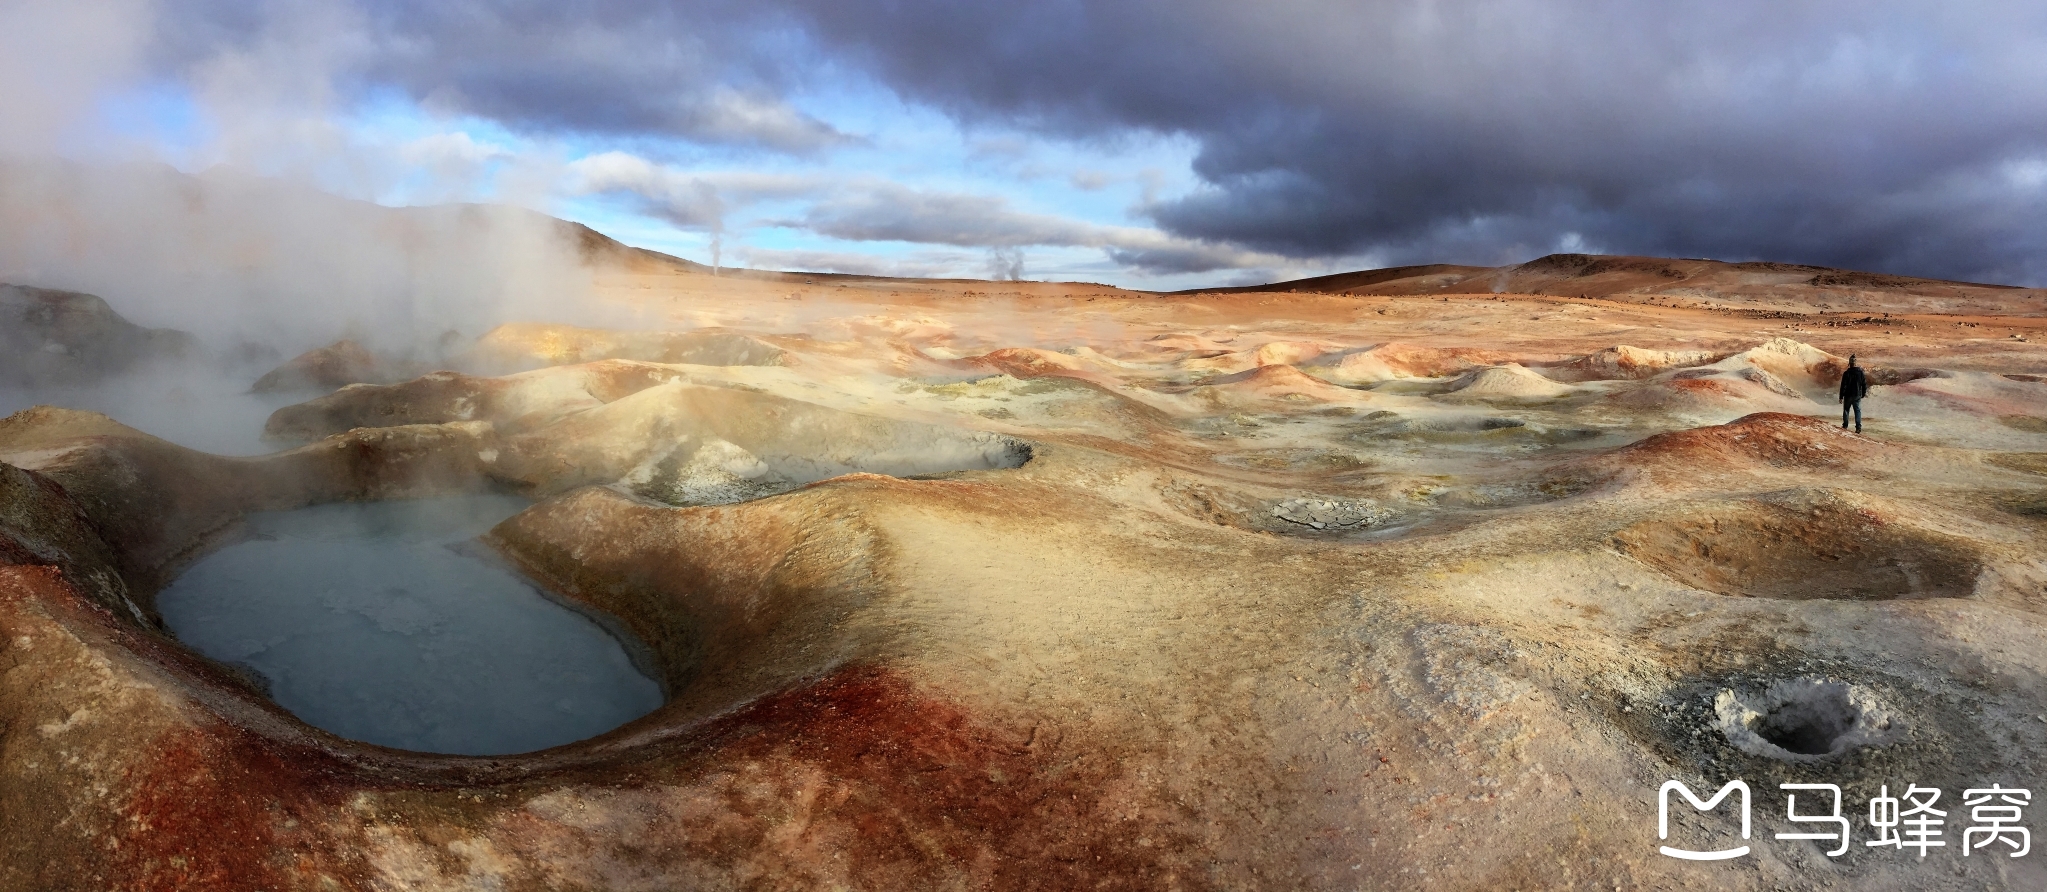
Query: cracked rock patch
x=1332 y=514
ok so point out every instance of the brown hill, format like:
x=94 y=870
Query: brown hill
x=1756 y=285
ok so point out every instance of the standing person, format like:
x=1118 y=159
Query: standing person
x=1854 y=386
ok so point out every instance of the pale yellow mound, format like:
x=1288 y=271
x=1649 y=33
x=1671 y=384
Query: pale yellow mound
x=1510 y=381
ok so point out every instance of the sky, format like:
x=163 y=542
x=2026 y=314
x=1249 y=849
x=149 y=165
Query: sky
x=1135 y=142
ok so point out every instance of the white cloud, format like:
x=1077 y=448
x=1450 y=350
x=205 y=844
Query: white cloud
x=2026 y=173
x=869 y=209
x=451 y=148
x=916 y=264
x=726 y=115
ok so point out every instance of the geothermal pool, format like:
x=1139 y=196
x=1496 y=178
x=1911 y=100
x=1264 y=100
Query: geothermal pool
x=372 y=621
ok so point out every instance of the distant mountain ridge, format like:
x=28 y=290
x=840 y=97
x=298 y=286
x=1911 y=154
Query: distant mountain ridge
x=1654 y=279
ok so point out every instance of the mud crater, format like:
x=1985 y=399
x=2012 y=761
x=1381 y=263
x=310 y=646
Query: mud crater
x=1805 y=719
x=1871 y=725
x=387 y=623
x=1803 y=548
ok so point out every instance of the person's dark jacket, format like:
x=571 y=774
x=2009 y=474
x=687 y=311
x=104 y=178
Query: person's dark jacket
x=1854 y=385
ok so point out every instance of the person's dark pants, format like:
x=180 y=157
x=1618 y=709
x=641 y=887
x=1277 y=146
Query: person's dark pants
x=1856 y=406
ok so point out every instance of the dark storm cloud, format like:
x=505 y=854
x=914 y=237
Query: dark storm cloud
x=1888 y=135
x=1883 y=134
x=871 y=211
x=892 y=212
x=611 y=68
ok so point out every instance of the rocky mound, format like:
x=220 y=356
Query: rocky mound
x=1280 y=382
x=1793 y=362
x=1029 y=362
x=1194 y=345
x=1269 y=353
x=1781 y=375
x=511 y=403
x=65 y=337
x=1511 y=381
x=1621 y=363
x=1762 y=440
x=523 y=346
x=1401 y=360
x=332 y=367
x=1711 y=395
x=687 y=444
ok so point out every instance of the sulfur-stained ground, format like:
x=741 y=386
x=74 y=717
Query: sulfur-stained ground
x=1022 y=586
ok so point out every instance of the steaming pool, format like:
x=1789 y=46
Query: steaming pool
x=382 y=623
